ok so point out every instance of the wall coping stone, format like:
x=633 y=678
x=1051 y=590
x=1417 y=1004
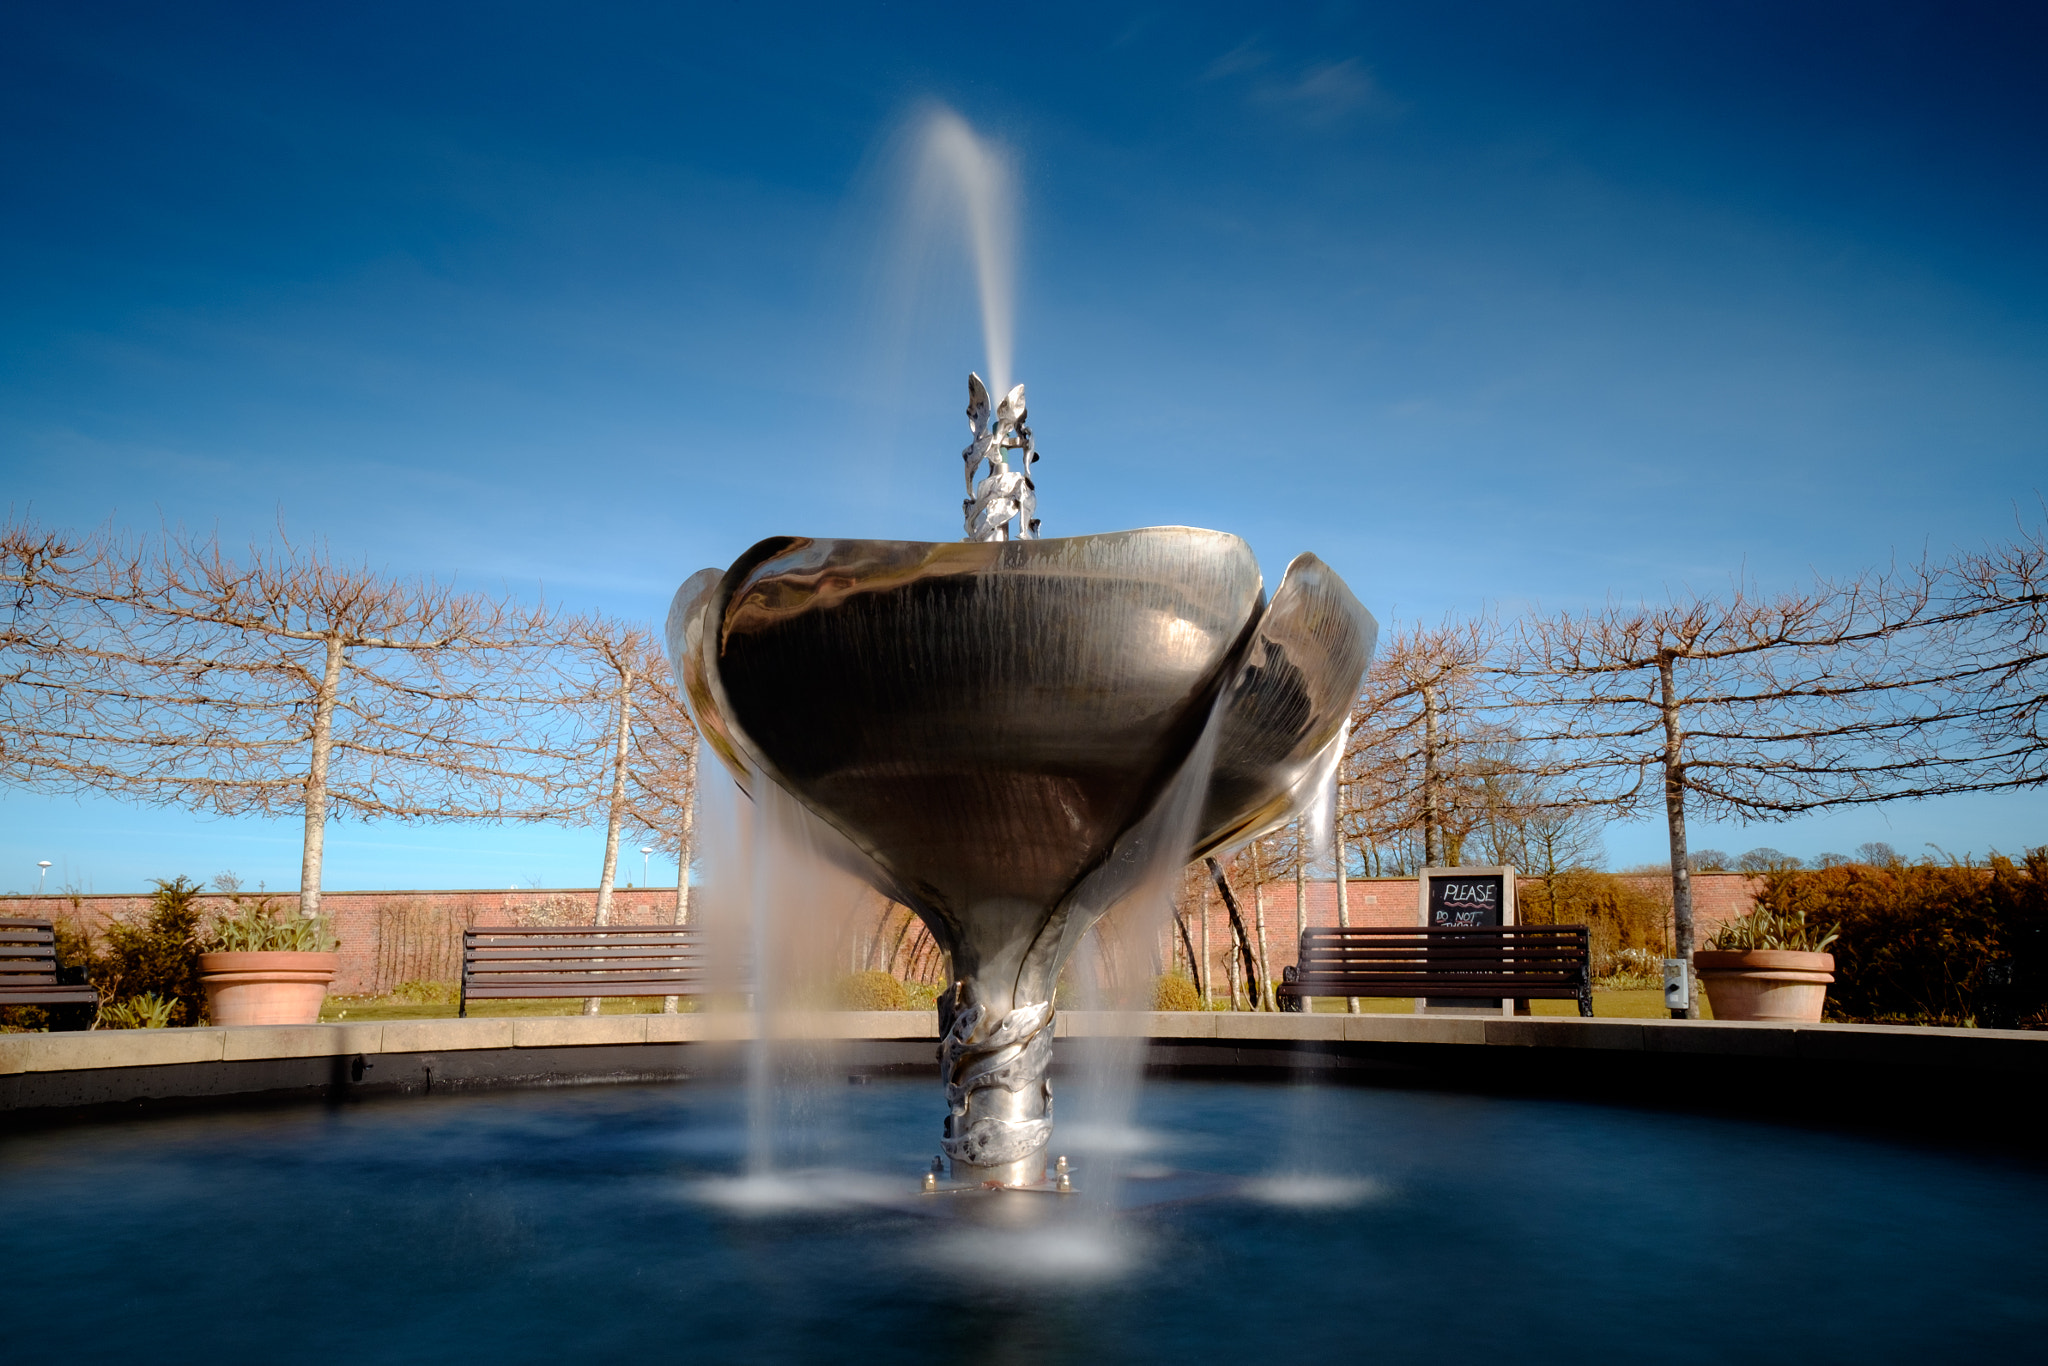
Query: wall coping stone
x=1995 y=1050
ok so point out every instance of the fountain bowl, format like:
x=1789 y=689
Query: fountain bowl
x=1011 y=738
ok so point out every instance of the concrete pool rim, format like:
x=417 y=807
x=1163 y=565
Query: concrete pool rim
x=1972 y=1085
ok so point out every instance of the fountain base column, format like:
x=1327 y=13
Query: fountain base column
x=998 y=1101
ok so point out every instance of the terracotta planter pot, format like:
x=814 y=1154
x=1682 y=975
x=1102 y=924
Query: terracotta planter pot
x=1765 y=984
x=266 y=988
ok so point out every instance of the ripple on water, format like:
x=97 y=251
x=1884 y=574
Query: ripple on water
x=1305 y=1190
x=814 y=1191
x=1060 y=1252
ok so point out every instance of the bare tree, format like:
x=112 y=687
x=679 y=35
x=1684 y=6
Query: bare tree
x=166 y=670
x=1427 y=729
x=1995 y=609
x=662 y=774
x=1245 y=956
x=1746 y=706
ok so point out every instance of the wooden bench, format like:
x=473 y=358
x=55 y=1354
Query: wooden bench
x=517 y=962
x=1511 y=962
x=29 y=975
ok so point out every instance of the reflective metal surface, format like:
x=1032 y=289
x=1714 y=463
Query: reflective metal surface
x=1287 y=706
x=1005 y=493
x=1002 y=730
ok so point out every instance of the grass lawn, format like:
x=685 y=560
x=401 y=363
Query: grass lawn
x=368 y=1008
x=1607 y=1005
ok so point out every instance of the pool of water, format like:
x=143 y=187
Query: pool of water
x=1255 y=1220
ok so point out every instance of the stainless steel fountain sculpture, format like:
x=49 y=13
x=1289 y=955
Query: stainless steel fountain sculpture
x=1014 y=735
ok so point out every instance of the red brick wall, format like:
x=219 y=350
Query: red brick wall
x=1717 y=898
x=394 y=936
x=389 y=937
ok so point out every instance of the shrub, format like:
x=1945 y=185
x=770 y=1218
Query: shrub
x=23 y=1019
x=147 y=1011
x=159 y=957
x=1175 y=991
x=1621 y=912
x=1930 y=943
x=871 y=991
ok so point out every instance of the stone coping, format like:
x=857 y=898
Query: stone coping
x=1901 y=1045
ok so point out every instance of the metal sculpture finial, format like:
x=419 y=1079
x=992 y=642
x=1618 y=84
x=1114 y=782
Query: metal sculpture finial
x=1003 y=493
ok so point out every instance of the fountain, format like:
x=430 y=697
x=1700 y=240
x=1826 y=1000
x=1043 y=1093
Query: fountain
x=1012 y=736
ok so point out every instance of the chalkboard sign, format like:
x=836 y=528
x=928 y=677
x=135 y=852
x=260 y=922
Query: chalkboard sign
x=1465 y=901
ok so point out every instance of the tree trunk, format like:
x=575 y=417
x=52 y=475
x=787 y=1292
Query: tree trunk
x=1674 y=817
x=615 y=813
x=1259 y=916
x=686 y=853
x=1432 y=828
x=1181 y=922
x=1301 y=885
x=1344 y=894
x=1244 y=945
x=684 y=846
x=315 y=846
x=1301 y=899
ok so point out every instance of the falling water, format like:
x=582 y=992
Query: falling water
x=774 y=907
x=1114 y=970
x=964 y=178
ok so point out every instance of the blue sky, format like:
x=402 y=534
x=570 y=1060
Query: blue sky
x=1513 y=304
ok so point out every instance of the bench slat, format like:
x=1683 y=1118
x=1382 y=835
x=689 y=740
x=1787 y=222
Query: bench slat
x=50 y=995
x=1496 y=962
x=581 y=941
x=563 y=991
x=28 y=967
x=539 y=962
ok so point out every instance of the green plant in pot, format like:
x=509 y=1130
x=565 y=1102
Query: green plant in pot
x=262 y=965
x=1771 y=964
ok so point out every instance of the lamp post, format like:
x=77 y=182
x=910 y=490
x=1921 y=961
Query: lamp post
x=645 y=850
x=42 y=873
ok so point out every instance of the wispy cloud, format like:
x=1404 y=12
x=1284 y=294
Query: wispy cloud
x=1247 y=56
x=1320 y=94
x=1329 y=92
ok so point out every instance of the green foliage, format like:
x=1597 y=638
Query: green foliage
x=922 y=995
x=1175 y=991
x=147 y=1011
x=1951 y=943
x=871 y=991
x=1775 y=925
x=1635 y=969
x=260 y=925
x=159 y=957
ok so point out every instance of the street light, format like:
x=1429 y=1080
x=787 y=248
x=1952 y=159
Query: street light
x=645 y=850
x=43 y=871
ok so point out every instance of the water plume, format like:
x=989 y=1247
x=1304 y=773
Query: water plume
x=969 y=180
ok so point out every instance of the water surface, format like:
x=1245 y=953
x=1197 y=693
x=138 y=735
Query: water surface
x=617 y=1223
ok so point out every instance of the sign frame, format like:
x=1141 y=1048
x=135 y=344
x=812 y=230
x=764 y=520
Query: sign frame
x=1506 y=873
